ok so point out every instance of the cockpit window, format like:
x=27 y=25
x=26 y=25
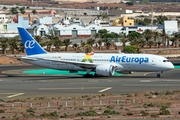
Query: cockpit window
x=166 y=61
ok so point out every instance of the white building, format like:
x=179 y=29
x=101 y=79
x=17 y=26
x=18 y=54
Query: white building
x=45 y=20
x=170 y=27
x=100 y=22
x=8 y=28
x=41 y=30
x=77 y=31
x=3 y=18
x=128 y=11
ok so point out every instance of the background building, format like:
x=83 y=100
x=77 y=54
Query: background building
x=124 y=21
x=170 y=27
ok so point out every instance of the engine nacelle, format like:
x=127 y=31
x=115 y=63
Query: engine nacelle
x=105 y=70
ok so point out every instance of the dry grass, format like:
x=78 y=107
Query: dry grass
x=129 y=106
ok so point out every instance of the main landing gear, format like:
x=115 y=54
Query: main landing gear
x=159 y=74
x=91 y=75
x=88 y=75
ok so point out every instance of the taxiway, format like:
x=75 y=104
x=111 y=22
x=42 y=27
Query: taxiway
x=25 y=86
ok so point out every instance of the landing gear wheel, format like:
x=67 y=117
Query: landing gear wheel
x=158 y=76
x=88 y=76
x=95 y=75
x=91 y=75
x=85 y=75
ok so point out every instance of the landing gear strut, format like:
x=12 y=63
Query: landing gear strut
x=159 y=74
x=88 y=75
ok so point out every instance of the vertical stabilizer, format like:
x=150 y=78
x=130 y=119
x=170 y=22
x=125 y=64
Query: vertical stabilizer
x=31 y=46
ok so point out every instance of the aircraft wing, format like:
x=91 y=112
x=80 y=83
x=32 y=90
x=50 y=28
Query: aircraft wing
x=80 y=64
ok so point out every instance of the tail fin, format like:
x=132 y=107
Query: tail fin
x=31 y=46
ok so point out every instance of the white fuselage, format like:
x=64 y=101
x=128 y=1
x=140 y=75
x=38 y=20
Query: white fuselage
x=123 y=62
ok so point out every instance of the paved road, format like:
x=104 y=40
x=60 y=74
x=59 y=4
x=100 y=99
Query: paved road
x=55 y=86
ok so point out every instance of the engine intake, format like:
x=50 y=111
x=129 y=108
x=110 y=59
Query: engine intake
x=105 y=70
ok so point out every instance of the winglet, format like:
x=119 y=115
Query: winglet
x=31 y=46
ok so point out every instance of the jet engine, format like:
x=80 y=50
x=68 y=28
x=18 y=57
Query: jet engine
x=105 y=70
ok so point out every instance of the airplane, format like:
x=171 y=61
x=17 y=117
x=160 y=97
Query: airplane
x=102 y=64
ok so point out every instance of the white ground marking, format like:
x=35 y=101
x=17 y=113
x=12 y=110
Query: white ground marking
x=80 y=88
x=147 y=85
x=148 y=73
x=15 y=95
x=93 y=81
x=169 y=80
x=105 y=89
x=145 y=80
x=110 y=80
x=7 y=93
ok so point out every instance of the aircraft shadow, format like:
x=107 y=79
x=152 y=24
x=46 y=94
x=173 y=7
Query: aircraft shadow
x=49 y=77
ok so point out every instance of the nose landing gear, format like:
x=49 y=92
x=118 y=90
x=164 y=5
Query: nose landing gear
x=159 y=74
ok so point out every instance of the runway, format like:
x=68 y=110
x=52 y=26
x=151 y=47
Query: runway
x=68 y=86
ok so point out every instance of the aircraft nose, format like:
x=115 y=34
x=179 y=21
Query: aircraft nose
x=171 y=66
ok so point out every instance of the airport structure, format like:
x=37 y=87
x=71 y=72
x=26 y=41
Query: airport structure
x=8 y=26
x=75 y=30
x=70 y=28
x=73 y=27
x=169 y=27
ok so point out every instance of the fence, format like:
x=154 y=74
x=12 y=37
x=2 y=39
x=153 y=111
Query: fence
x=71 y=103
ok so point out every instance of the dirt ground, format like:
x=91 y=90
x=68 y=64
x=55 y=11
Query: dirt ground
x=4 y=60
x=149 y=105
